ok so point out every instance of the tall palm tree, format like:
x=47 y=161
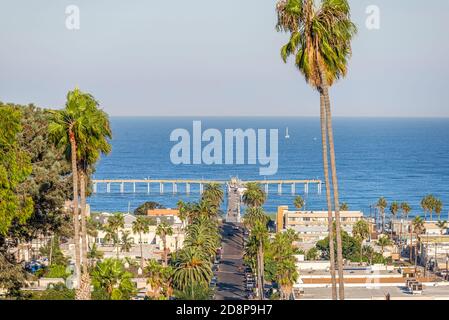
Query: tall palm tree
x=383 y=242
x=442 y=225
x=113 y=226
x=405 y=207
x=320 y=38
x=382 y=205
x=260 y=236
x=253 y=215
x=66 y=129
x=299 y=202
x=191 y=266
x=213 y=192
x=344 y=207
x=394 y=208
x=418 y=229
x=438 y=206
x=163 y=230
x=126 y=242
x=361 y=232
x=254 y=196
x=141 y=226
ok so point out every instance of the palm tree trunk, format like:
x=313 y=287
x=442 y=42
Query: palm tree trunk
x=165 y=251
x=328 y=196
x=141 y=251
x=411 y=242
x=330 y=134
x=85 y=286
x=76 y=236
x=260 y=271
x=82 y=178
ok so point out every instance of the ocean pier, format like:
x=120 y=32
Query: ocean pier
x=188 y=183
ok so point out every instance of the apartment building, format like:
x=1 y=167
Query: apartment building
x=312 y=226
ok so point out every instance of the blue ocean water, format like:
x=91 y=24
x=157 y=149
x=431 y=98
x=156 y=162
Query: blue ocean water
x=400 y=159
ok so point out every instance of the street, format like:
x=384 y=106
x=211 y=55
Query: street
x=230 y=275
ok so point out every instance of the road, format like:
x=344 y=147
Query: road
x=230 y=276
x=233 y=213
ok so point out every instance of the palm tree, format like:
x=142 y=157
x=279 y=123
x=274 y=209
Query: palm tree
x=428 y=204
x=283 y=253
x=191 y=266
x=159 y=280
x=84 y=129
x=320 y=38
x=418 y=228
x=405 y=207
x=141 y=226
x=442 y=225
x=394 y=208
x=213 y=192
x=260 y=236
x=110 y=276
x=112 y=229
x=383 y=242
x=254 y=196
x=127 y=242
x=382 y=205
x=360 y=230
x=253 y=215
x=344 y=207
x=204 y=236
x=163 y=230
x=438 y=206
x=299 y=202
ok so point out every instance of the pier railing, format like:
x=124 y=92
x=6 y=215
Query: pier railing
x=200 y=183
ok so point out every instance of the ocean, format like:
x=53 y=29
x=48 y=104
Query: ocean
x=400 y=159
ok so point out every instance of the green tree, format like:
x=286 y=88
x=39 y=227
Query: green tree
x=382 y=205
x=159 y=279
x=442 y=225
x=254 y=196
x=15 y=167
x=259 y=233
x=191 y=266
x=110 y=276
x=149 y=205
x=438 y=206
x=383 y=242
x=141 y=226
x=406 y=209
x=163 y=230
x=344 y=207
x=213 y=192
x=360 y=230
x=320 y=40
x=195 y=291
x=312 y=254
x=299 y=202
x=418 y=229
x=253 y=215
x=112 y=228
x=394 y=208
x=126 y=242
x=203 y=234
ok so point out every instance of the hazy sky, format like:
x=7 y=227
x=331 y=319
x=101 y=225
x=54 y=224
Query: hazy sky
x=209 y=57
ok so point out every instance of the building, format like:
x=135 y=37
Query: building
x=152 y=244
x=312 y=226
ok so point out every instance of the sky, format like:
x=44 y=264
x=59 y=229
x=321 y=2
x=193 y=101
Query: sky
x=217 y=58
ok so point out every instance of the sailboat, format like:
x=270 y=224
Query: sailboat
x=287 y=136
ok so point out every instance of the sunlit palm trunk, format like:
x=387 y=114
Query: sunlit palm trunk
x=141 y=251
x=328 y=196
x=335 y=188
x=260 y=271
x=86 y=277
x=76 y=236
x=164 y=241
x=411 y=242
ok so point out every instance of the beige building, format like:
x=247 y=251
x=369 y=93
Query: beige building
x=312 y=226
